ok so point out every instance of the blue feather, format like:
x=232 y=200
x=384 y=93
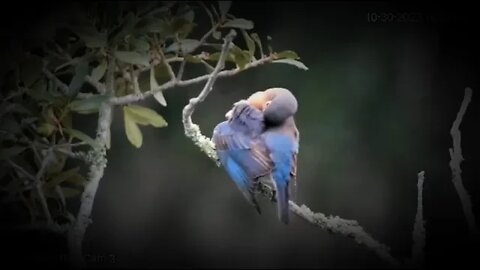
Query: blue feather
x=240 y=150
x=282 y=149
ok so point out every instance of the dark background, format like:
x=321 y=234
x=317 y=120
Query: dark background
x=376 y=108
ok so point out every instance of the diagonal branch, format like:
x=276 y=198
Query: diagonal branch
x=191 y=130
x=335 y=224
x=456 y=159
x=345 y=227
x=60 y=84
x=190 y=108
x=96 y=170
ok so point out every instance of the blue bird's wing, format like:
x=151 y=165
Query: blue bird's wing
x=244 y=158
x=283 y=150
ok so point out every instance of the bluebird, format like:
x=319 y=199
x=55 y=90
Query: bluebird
x=259 y=139
x=240 y=149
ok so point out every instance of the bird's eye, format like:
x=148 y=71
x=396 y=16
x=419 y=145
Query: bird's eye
x=266 y=104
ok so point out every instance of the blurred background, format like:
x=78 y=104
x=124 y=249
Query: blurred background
x=375 y=109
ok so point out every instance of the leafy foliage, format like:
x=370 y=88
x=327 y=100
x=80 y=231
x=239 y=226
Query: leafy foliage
x=101 y=51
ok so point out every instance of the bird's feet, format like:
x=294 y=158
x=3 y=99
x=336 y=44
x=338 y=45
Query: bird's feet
x=274 y=196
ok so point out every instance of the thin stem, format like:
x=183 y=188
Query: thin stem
x=456 y=160
x=171 y=84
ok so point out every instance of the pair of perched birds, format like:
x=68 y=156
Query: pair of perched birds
x=260 y=139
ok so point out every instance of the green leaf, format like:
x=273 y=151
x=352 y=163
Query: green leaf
x=180 y=26
x=81 y=71
x=153 y=81
x=132 y=130
x=99 y=71
x=45 y=129
x=241 y=57
x=153 y=25
x=257 y=40
x=224 y=7
x=160 y=98
x=60 y=178
x=6 y=153
x=88 y=105
x=82 y=136
x=239 y=23
x=216 y=56
x=161 y=73
x=296 y=63
x=133 y=58
x=158 y=95
x=67 y=119
x=250 y=43
x=140 y=45
x=287 y=54
x=78 y=179
x=186 y=46
x=145 y=116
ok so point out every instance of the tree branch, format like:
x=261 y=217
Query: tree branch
x=456 y=159
x=191 y=130
x=419 y=229
x=171 y=84
x=98 y=85
x=181 y=70
x=345 y=227
x=77 y=232
x=59 y=83
x=335 y=224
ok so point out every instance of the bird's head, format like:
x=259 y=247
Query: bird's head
x=277 y=104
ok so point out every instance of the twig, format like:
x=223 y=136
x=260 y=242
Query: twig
x=191 y=130
x=455 y=161
x=181 y=70
x=98 y=85
x=348 y=228
x=174 y=59
x=208 y=66
x=167 y=64
x=208 y=12
x=335 y=224
x=59 y=83
x=171 y=84
x=419 y=229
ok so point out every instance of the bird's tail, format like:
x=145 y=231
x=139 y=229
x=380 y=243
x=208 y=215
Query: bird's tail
x=282 y=202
